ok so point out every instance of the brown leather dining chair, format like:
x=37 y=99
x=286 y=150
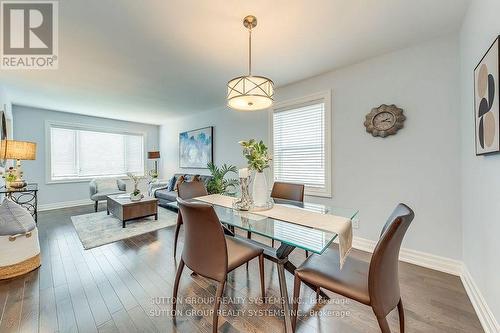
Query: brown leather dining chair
x=375 y=284
x=187 y=190
x=210 y=253
x=286 y=191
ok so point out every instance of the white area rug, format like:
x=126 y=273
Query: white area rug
x=97 y=229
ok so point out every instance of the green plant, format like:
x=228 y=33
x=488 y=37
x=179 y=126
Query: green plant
x=10 y=175
x=218 y=183
x=256 y=154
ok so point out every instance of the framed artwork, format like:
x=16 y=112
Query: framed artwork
x=487 y=102
x=196 y=148
x=3 y=136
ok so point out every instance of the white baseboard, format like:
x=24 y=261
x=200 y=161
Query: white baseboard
x=446 y=265
x=64 y=204
x=486 y=317
x=438 y=263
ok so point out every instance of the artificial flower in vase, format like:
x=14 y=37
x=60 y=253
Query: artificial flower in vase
x=136 y=195
x=258 y=160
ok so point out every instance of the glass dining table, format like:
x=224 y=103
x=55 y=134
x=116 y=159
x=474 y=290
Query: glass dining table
x=290 y=236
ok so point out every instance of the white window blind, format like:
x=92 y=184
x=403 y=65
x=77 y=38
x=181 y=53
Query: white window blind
x=79 y=153
x=299 y=147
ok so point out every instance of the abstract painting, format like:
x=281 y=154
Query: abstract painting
x=486 y=102
x=196 y=148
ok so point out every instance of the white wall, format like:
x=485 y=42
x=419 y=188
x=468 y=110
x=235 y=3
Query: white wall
x=29 y=125
x=480 y=175
x=419 y=166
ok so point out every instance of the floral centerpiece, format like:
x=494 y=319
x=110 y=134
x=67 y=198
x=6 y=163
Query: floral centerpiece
x=258 y=159
x=10 y=176
x=136 y=195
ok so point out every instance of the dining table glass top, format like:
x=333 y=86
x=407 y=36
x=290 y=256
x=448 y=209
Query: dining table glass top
x=309 y=239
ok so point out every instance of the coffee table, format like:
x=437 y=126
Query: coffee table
x=125 y=209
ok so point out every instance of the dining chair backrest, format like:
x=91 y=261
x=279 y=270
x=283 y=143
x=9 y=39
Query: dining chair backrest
x=383 y=279
x=288 y=191
x=192 y=189
x=205 y=250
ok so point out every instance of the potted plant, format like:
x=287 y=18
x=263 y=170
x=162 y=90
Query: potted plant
x=218 y=184
x=136 y=195
x=258 y=160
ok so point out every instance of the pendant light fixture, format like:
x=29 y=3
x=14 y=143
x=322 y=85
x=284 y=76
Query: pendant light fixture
x=250 y=92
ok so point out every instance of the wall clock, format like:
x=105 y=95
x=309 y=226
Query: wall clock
x=384 y=120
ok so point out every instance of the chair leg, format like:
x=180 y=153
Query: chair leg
x=176 y=285
x=261 y=269
x=249 y=235
x=176 y=236
x=307 y=254
x=384 y=325
x=96 y=204
x=401 y=313
x=272 y=242
x=218 y=296
x=295 y=306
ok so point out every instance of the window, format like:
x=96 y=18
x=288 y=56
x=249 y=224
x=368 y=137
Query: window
x=78 y=153
x=301 y=132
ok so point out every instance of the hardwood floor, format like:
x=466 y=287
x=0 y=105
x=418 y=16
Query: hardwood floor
x=125 y=287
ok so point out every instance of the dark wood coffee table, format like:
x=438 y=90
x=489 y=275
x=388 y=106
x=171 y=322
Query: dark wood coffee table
x=125 y=209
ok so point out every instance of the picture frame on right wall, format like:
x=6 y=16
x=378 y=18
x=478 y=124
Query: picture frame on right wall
x=487 y=101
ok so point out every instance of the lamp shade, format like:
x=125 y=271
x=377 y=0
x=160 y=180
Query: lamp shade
x=152 y=155
x=250 y=93
x=17 y=150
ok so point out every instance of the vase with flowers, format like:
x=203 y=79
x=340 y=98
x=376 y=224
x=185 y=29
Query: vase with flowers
x=136 y=195
x=10 y=176
x=258 y=158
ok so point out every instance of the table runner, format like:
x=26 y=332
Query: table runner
x=342 y=226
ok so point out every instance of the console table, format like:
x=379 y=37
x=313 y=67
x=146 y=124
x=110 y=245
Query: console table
x=25 y=197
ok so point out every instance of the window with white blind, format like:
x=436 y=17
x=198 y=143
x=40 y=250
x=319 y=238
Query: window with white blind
x=301 y=132
x=78 y=153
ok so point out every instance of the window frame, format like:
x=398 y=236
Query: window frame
x=326 y=98
x=83 y=127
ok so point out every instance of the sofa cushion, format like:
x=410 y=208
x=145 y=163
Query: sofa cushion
x=166 y=195
x=103 y=195
x=171 y=183
x=14 y=219
x=179 y=180
x=106 y=184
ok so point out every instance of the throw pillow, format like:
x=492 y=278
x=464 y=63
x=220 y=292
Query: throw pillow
x=171 y=183
x=196 y=178
x=180 y=180
x=14 y=219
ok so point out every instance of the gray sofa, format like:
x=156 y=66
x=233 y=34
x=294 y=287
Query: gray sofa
x=100 y=188
x=165 y=194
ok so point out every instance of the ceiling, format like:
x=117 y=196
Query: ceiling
x=150 y=60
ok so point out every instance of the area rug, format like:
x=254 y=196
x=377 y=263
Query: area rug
x=97 y=229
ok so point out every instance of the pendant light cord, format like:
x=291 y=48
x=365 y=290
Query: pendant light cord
x=250 y=51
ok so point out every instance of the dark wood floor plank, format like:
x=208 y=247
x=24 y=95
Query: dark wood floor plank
x=123 y=322
x=65 y=316
x=126 y=298
x=31 y=303
x=11 y=318
x=83 y=314
x=48 y=311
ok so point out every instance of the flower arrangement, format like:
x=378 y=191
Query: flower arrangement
x=256 y=154
x=136 y=180
x=10 y=175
